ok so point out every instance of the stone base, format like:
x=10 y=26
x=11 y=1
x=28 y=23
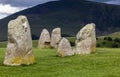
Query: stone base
x=19 y=60
x=16 y=61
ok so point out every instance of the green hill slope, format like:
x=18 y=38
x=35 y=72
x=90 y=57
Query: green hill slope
x=70 y=16
x=113 y=35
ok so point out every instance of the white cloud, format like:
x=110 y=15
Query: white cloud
x=24 y=3
x=7 y=9
x=3 y=15
x=117 y=2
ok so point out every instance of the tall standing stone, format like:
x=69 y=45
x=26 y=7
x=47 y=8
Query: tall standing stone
x=19 y=48
x=64 y=48
x=55 y=37
x=44 y=40
x=86 y=40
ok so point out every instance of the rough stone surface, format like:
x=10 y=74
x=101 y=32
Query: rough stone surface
x=64 y=48
x=55 y=37
x=19 y=48
x=86 y=40
x=44 y=41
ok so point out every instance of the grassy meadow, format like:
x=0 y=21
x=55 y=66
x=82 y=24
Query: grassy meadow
x=104 y=63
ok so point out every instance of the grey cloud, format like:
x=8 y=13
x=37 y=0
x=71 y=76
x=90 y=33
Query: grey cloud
x=102 y=0
x=23 y=3
x=27 y=3
x=117 y=2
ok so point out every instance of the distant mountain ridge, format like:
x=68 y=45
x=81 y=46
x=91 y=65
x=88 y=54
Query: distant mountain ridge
x=70 y=16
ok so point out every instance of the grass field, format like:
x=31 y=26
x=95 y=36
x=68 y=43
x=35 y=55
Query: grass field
x=104 y=63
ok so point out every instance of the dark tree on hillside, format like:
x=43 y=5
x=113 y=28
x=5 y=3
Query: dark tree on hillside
x=98 y=45
x=34 y=37
x=105 y=38
x=103 y=42
x=97 y=38
x=109 y=39
x=115 y=45
x=117 y=40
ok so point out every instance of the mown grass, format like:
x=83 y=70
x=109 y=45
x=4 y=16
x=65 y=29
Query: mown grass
x=3 y=44
x=104 y=63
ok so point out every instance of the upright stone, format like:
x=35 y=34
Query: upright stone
x=86 y=40
x=56 y=37
x=64 y=48
x=44 y=40
x=19 y=48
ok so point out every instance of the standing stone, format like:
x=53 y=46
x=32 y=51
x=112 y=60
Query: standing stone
x=64 y=48
x=56 y=37
x=19 y=48
x=86 y=40
x=44 y=40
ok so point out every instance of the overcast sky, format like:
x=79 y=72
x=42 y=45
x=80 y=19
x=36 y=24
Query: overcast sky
x=8 y=7
x=116 y=2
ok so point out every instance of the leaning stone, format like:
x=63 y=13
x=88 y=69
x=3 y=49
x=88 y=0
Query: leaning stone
x=44 y=41
x=56 y=37
x=64 y=48
x=86 y=40
x=19 y=48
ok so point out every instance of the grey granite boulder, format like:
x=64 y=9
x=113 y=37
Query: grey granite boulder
x=55 y=37
x=19 y=48
x=64 y=48
x=44 y=40
x=86 y=40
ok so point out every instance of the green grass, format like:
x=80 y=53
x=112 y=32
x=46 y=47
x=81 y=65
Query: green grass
x=101 y=42
x=35 y=43
x=109 y=44
x=104 y=43
x=3 y=44
x=104 y=63
x=71 y=39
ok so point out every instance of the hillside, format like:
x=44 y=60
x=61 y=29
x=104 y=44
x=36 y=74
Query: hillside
x=70 y=15
x=113 y=35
